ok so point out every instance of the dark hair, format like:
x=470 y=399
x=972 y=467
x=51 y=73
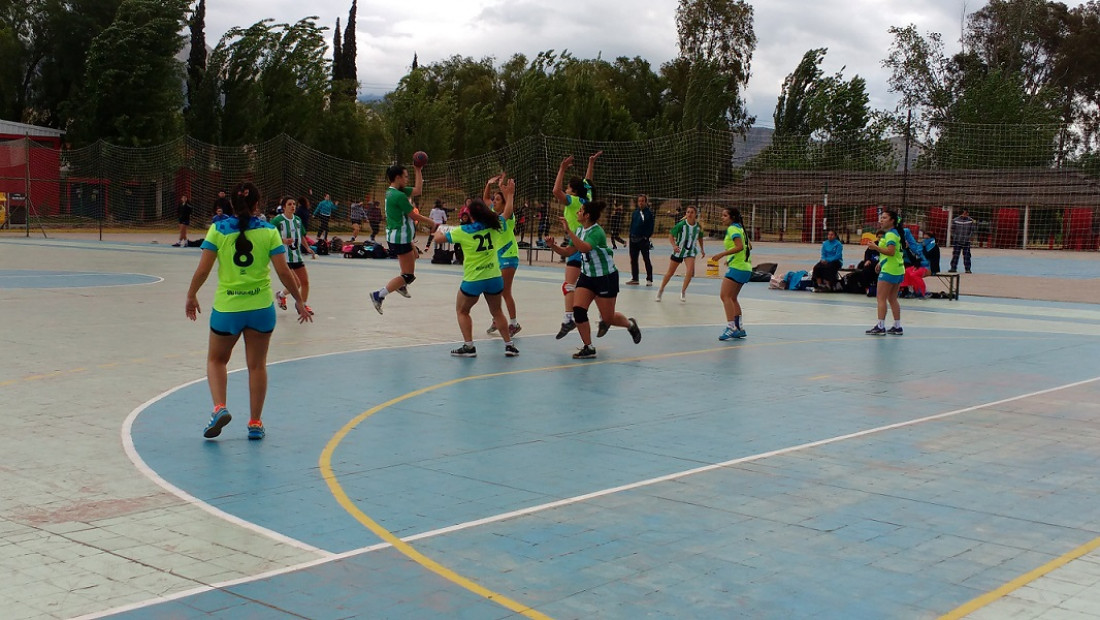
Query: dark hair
x=482 y=214
x=303 y=202
x=579 y=190
x=244 y=200
x=735 y=215
x=894 y=216
x=395 y=171
x=594 y=209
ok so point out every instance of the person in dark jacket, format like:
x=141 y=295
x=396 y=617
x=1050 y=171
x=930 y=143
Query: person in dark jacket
x=641 y=230
x=962 y=229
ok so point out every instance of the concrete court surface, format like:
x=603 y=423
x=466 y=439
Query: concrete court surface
x=807 y=471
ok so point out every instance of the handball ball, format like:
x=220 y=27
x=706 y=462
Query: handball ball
x=420 y=158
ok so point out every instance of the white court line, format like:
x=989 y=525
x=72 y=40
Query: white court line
x=331 y=557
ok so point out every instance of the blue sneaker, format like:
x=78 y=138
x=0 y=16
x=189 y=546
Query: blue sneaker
x=739 y=333
x=256 y=430
x=218 y=420
x=728 y=334
x=377 y=301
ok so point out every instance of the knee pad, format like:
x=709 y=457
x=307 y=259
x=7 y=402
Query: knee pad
x=408 y=278
x=580 y=315
x=567 y=287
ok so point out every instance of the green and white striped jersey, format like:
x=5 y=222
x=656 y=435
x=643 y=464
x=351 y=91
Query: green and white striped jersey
x=291 y=229
x=599 y=261
x=687 y=238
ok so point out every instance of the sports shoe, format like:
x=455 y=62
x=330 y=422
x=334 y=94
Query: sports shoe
x=658 y=297
x=649 y=282
x=217 y=422
x=464 y=351
x=968 y=271
x=492 y=329
x=177 y=244
x=565 y=329
x=404 y=292
x=280 y=298
x=514 y=329
x=876 y=331
x=632 y=282
x=601 y=329
x=256 y=430
x=510 y=350
x=587 y=352
x=377 y=301
x=896 y=331
x=728 y=334
x=952 y=270
x=635 y=331
x=683 y=297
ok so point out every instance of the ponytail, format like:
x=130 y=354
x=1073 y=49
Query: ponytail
x=244 y=200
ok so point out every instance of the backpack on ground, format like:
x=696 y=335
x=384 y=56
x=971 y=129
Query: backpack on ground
x=443 y=257
x=322 y=247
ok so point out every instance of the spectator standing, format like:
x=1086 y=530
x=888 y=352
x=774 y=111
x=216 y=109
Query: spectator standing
x=962 y=229
x=184 y=217
x=356 y=213
x=615 y=225
x=374 y=218
x=641 y=230
x=324 y=211
x=222 y=204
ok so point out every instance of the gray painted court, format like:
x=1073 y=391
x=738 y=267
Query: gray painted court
x=807 y=471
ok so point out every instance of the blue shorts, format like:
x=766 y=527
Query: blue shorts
x=890 y=278
x=477 y=288
x=739 y=276
x=574 y=260
x=233 y=323
x=510 y=262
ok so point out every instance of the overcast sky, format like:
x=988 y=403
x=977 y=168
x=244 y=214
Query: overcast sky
x=388 y=33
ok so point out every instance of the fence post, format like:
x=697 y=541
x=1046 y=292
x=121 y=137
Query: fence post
x=1027 y=218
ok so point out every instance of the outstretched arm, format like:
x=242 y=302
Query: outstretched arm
x=559 y=193
x=508 y=188
x=592 y=165
x=418 y=184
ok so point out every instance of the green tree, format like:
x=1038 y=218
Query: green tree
x=132 y=93
x=716 y=37
x=269 y=79
x=419 y=117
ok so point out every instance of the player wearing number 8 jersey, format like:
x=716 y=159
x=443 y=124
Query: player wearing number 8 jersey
x=598 y=281
x=481 y=274
x=244 y=248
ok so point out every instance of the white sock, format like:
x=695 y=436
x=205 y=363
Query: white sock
x=507 y=343
x=469 y=343
x=513 y=322
x=897 y=323
x=731 y=325
x=568 y=317
x=881 y=324
x=382 y=292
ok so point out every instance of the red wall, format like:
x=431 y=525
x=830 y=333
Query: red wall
x=45 y=172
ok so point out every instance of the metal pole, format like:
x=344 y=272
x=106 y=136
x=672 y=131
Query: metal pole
x=27 y=182
x=1027 y=216
x=905 y=168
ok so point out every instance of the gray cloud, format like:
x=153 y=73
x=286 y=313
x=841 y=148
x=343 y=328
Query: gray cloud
x=854 y=31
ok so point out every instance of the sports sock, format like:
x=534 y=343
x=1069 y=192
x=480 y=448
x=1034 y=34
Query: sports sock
x=897 y=323
x=737 y=321
x=513 y=322
x=568 y=318
x=881 y=324
x=732 y=325
x=382 y=292
x=469 y=343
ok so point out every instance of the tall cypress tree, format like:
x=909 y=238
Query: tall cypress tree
x=196 y=60
x=337 y=56
x=350 y=72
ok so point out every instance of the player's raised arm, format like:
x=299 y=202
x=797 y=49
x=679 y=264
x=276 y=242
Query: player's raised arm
x=559 y=191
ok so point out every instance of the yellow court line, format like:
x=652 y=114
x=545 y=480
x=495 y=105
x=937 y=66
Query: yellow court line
x=337 y=490
x=991 y=597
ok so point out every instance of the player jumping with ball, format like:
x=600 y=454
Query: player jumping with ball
x=401 y=221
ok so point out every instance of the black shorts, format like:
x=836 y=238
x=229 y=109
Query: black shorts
x=675 y=259
x=400 y=249
x=186 y=221
x=603 y=286
x=298 y=265
x=356 y=222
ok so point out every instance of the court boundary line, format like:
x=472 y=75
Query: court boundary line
x=328 y=556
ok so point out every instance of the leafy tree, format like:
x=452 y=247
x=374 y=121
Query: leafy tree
x=337 y=55
x=132 y=93
x=350 y=51
x=417 y=119
x=716 y=37
x=196 y=59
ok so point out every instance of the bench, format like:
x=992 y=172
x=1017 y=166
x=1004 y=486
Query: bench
x=951 y=280
x=533 y=252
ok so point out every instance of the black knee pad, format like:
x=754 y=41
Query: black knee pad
x=580 y=315
x=408 y=277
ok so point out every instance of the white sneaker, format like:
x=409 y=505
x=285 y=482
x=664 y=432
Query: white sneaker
x=683 y=297
x=658 y=297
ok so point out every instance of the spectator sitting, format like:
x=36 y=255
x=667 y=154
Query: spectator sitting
x=868 y=268
x=916 y=267
x=931 y=252
x=832 y=259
